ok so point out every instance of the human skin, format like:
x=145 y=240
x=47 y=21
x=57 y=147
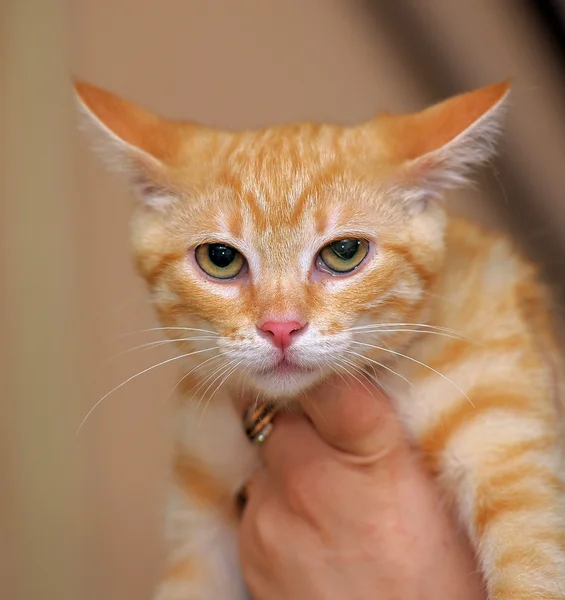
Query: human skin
x=343 y=508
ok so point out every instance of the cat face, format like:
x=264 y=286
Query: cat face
x=281 y=251
x=299 y=250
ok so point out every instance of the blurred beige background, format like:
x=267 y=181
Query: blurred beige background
x=80 y=516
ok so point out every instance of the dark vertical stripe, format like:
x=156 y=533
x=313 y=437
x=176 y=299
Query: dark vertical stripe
x=550 y=15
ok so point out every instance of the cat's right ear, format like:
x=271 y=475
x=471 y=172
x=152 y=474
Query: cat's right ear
x=132 y=140
x=438 y=148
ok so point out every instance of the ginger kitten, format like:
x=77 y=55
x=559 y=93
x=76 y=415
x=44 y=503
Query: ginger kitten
x=280 y=256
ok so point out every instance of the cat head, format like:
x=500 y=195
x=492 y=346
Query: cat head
x=283 y=255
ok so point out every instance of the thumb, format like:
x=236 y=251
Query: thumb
x=354 y=419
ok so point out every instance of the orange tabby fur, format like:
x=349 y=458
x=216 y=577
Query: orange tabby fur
x=468 y=355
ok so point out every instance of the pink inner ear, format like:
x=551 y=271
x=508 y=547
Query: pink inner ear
x=410 y=136
x=153 y=188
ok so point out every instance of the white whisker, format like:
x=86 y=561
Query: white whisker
x=208 y=331
x=155 y=344
x=426 y=331
x=231 y=371
x=418 y=363
x=379 y=364
x=339 y=373
x=195 y=392
x=305 y=396
x=341 y=363
x=256 y=403
x=422 y=325
x=245 y=377
x=359 y=370
x=137 y=375
x=198 y=366
x=225 y=366
x=229 y=368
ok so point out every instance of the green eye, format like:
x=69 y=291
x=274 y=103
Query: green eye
x=343 y=256
x=219 y=261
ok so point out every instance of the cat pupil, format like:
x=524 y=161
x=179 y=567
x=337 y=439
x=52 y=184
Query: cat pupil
x=220 y=255
x=345 y=249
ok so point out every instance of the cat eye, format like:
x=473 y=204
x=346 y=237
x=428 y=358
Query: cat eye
x=343 y=256
x=219 y=260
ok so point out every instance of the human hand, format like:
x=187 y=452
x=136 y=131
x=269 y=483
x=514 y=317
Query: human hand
x=343 y=509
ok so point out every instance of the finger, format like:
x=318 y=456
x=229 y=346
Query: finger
x=257 y=484
x=254 y=496
x=259 y=491
x=253 y=486
x=354 y=419
x=292 y=442
x=287 y=437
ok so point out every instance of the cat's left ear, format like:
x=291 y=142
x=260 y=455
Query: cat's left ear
x=133 y=140
x=438 y=147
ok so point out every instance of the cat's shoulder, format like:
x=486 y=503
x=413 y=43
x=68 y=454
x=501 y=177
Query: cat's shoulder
x=493 y=250
x=491 y=264
x=467 y=235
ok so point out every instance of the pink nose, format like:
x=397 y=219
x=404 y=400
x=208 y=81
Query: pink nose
x=280 y=332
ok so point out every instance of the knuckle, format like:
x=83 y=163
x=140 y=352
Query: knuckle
x=267 y=524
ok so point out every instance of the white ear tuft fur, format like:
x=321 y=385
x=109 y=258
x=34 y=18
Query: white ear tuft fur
x=438 y=148
x=140 y=167
x=452 y=165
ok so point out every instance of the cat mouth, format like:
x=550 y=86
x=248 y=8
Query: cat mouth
x=286 y=367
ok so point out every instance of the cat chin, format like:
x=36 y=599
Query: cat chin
x=285 y=387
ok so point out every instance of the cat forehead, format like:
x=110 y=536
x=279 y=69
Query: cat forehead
x=294 y=144
x=284 y=175
x=276 y=155
x=297 y=215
